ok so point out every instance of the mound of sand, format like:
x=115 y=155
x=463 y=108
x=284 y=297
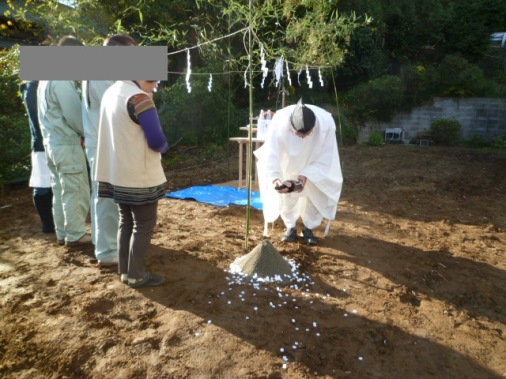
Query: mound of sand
x=264 y=263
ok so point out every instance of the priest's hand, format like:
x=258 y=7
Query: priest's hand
x=302 y=180
x=280 y=187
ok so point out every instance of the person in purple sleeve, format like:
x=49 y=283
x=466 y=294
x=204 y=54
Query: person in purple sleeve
x=129 y=170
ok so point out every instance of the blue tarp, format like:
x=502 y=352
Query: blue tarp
x=218 y=195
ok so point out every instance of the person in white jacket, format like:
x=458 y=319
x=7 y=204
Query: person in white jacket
x=299 y=170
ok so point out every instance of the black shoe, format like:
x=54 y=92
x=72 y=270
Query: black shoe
x=290 y=235
x=48 y=229
x=309 y=236
x=149 y=280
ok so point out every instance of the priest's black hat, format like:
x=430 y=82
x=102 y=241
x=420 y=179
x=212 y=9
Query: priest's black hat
x=302 y=118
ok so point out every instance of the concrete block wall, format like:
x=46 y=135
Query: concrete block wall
x=481 y=116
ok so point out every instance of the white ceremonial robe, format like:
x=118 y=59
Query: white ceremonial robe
x=285 y=156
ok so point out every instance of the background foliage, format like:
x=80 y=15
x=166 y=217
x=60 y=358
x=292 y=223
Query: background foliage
x=377 y=57
x=445 y=131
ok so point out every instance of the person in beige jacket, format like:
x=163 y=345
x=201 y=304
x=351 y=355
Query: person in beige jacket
x=129 y=170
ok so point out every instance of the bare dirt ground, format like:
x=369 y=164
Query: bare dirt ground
x=409 y=283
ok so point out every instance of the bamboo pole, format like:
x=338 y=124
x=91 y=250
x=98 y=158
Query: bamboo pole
x=250 y=134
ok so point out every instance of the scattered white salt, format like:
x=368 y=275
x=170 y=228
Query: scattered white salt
x=284 y=366
x=285 y=358
x=360 y=358
x=209 y=321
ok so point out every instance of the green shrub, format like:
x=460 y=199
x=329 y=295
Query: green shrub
x=420 y=82
x=376 y=139
x=379 y=99
x=459 y=78
x=15 y=140
x=9 y=85
x=499 y=143
x=348 y=131
x=445 y=131
x=201 y=116
x=475 y=141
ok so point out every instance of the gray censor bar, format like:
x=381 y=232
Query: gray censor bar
x=93 y=63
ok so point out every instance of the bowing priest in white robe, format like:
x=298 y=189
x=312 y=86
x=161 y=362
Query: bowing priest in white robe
x=299 y=170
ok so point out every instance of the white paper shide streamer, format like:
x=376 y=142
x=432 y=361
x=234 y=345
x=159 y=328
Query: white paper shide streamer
x=246 y=84
x=210 y=85
x=320 y=76
x=188 y=72
x=264 y=68
x=288 y=74
x=308 y=76
x=278 y=70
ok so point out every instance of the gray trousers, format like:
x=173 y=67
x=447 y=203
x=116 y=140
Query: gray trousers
x=136 y=225
x=71 y=190
x=104 y=217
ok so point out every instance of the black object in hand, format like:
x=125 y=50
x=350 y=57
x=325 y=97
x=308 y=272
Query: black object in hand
x=295 y=186
x=280 y=187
